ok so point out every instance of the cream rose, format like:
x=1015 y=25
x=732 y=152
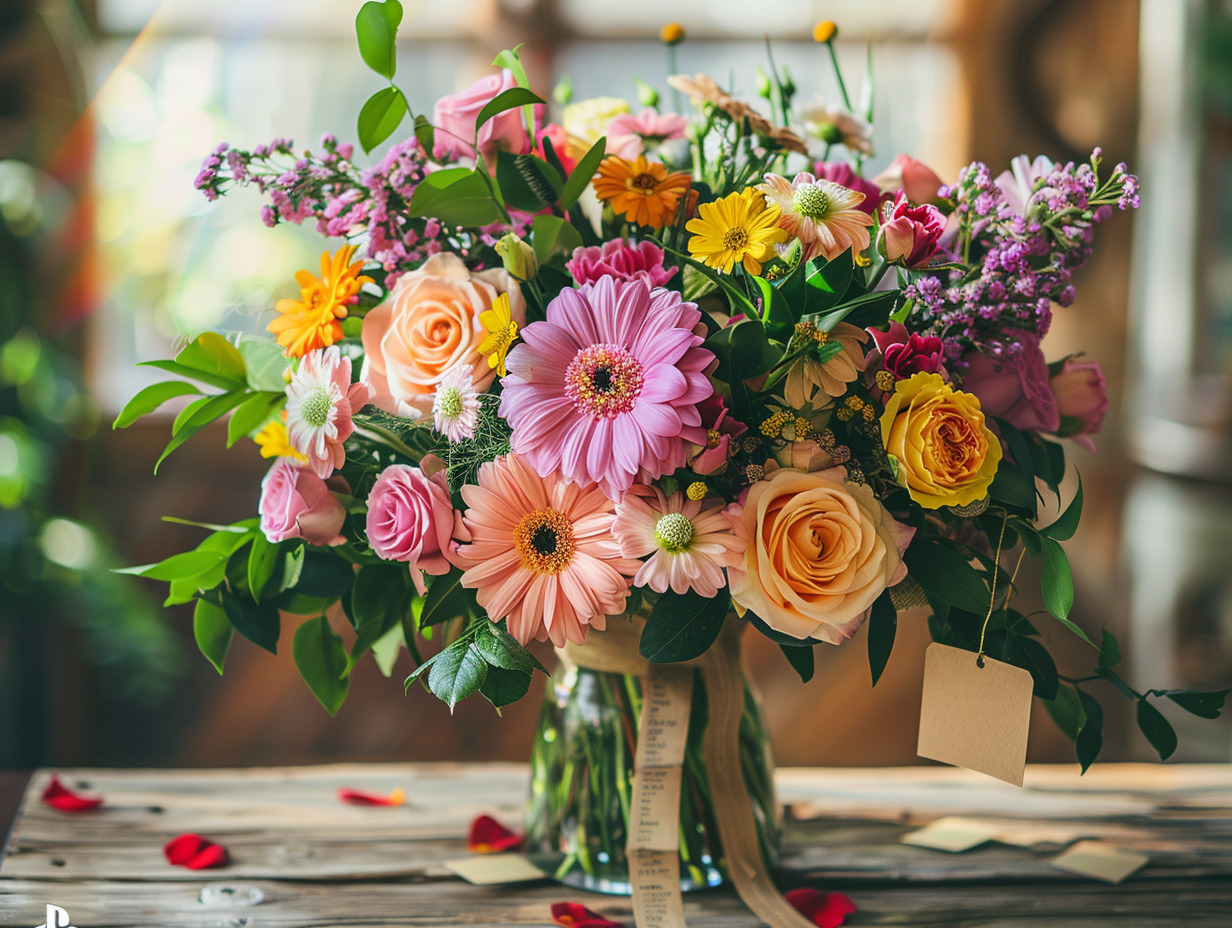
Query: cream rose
x=428 y=325
x=820 y=552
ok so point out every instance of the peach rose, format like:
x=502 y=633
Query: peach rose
x=820 y=552
x=429 y=324
x=945 y=453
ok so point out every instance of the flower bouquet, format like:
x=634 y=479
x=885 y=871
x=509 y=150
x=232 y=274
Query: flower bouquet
x=633 y=383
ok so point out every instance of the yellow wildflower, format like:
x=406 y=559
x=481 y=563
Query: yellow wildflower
x=273 y=442
x=502 y=332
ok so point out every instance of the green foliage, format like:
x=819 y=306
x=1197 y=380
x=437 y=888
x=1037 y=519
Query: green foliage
x=882 y=626
x=506 y=100
x=1090 y=737
x=1057 y=581
x=801 y=660
x=447 y=599
x=551 y=236
x=457 y=197
x=149 y=399
x=527 y=182
x=1157 y=729
x=376 y=30
x=583 y=173
x=380 y=115
x=213 y=632
x=1066 y=712
x=681 y=626
x=457 y=672
x=1067 y=523
x=1203 y=705
x=252 y=414
x=322 y=662
x=947 y=575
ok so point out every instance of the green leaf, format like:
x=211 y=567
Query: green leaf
x=380 y=596
x=1066 y=712
x=1077 y=630
x=252 y=414
x=457 y=672
x=508 y=58
x=322 y=662
x=946 y=575
x=1090 y=738
x=882 y=626
x=500 y=649
x=1057 y=580
x=425 y=133
x=385 y=650
x=801 y=660
x=183 y=566
x=776 y=310
x=1067 y=523
x=506 y=100
x=526 y=182
x=583 y=173
x=1019 y=449
x=1157 y=729
x=1032 y=656
x=264 y=560
x=455 y=196
x=325 y=575
x=681 y=626
x=551 y=235
x=1049 y=460
x=213 y=631
x=779 y=638
x=1012 y=486
x=446 y=600
x=210 y=353
x=214 y=380
x=501 y=686
x=225 y=542
x=1109 y=652
x=1203 y=705
x=258 y=622
x=150 y=399
x=827 y=281
x=380 y=116
x=376 y=29
x=871 y=309
x=196 y=416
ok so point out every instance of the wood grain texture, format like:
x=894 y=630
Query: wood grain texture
x=301 y=858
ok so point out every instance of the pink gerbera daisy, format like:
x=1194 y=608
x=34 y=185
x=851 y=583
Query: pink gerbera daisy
x=607 y=386
x=825 y=216
x=320 y=402
x=541 y=553
x=688 y=546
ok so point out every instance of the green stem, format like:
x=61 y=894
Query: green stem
x=838 y=73
x=387 y=438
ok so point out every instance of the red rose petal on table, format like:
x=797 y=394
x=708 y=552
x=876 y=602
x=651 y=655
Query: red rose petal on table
x=358 y=797
x=195 y=852
x=576 y=915
x=825 y=910
x=60 y=797
x=488 y=836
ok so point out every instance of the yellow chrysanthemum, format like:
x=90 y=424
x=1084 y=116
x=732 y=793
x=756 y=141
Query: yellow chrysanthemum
x=641 y=191
x=314 y=320
x=740 y=228
x=502 y=332
x=273 y=442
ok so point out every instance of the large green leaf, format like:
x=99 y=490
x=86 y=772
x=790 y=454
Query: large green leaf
x=183 y=566
x=455 y=196
x=376 y=30
x=1067 y=523
x=882 y=626
x=946 y=575
x=1057 y=580
x=252 y=414
x=1033 y=657
x=1066 y=712
x=1157 y=729
x=196 y=416
x=502 y=687
x=258 y=622
x=801 y=660
x=553 y=235
x=211 y=353
x=1204 y=705
x=213 y=631
x=681 y=626
x=149 y=399
x=500 y=649
x=526 y=182
x=583 y=173
x=322 y=662
x=264 y=364
x=1090 y=739
x=457 y=672
x=446 y=600
x=506 y=100
x=380 y=115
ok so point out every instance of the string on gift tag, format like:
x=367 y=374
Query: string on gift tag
x=992 y=595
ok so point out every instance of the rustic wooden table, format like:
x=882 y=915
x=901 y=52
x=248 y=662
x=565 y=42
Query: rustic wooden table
x=301 y=858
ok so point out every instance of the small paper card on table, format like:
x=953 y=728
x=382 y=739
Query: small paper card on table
x=1101 y=861
x=491 y=869
x=951 y=834
x=972 y=716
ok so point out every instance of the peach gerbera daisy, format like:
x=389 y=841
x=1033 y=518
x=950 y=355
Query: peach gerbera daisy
x=823 y=215
x=642 y=191
x=315 y=319
x=541 y=553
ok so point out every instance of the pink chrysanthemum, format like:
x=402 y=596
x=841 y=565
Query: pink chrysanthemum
x=643 y=261
x=688 y=546
x=823 y=215
x=607 y=387
x=320 y=402
x=541 y=553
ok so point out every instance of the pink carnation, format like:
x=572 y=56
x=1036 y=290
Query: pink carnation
x=411 y=519
x=296 y=503
x=617 y=258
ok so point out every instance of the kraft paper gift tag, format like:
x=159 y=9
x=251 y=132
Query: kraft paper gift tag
x=491 y=869
x=951 y=834
x=1101 y=861
x=975 y=717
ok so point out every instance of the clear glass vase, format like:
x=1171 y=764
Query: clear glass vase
x=582 y=763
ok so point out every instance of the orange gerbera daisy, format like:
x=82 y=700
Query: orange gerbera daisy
x=642 y=191
x=314 y=320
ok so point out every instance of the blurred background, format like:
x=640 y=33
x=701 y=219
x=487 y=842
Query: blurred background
x=107 y=254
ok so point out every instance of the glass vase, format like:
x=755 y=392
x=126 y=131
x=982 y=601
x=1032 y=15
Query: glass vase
x=582 y=764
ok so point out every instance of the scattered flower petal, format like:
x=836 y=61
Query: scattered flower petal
x=63 y=799
x=358 y=797
x=825 y=910
x=195 y=852
x=488 y=836
x=576 y=915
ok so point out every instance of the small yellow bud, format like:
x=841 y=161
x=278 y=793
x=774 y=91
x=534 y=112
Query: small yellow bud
x=825 y=31
x=803 y=428
x=517 y=256
x=672 y=34
x=696 y=491
x=844 y=414
x=885 y=380
x=868 y=413
x=854 y=402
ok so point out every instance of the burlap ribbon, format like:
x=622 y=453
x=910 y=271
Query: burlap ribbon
x=654 y=817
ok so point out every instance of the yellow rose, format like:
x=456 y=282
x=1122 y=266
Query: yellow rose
x=820 y=551
x=946 y=454
x=589 y=119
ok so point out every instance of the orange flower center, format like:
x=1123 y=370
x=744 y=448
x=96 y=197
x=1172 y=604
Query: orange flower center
x=646 y=183
x=604 y=381
x=544 y=541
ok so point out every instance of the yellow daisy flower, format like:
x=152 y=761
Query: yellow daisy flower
x=740 y=228
x=502 y=332
x=314 y=320
x=273 y=442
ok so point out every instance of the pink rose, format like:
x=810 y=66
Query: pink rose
x=1082 y=399
x=1012 y=384
x=909 y=234
x=840 y=172
x=643 y=261
x=914 y=178
x=454 y=117
x=410 y=518
x=296 y=503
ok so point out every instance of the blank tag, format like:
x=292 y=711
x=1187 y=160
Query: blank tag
x=1101 y=861
x=951 y=834
x=490 y=869
x=975 y=717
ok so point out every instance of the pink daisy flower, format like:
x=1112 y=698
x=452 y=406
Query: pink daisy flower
x=320 y=402
x=541 y=552
x=688 y=546
x=606 y=388
x=455 y=410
